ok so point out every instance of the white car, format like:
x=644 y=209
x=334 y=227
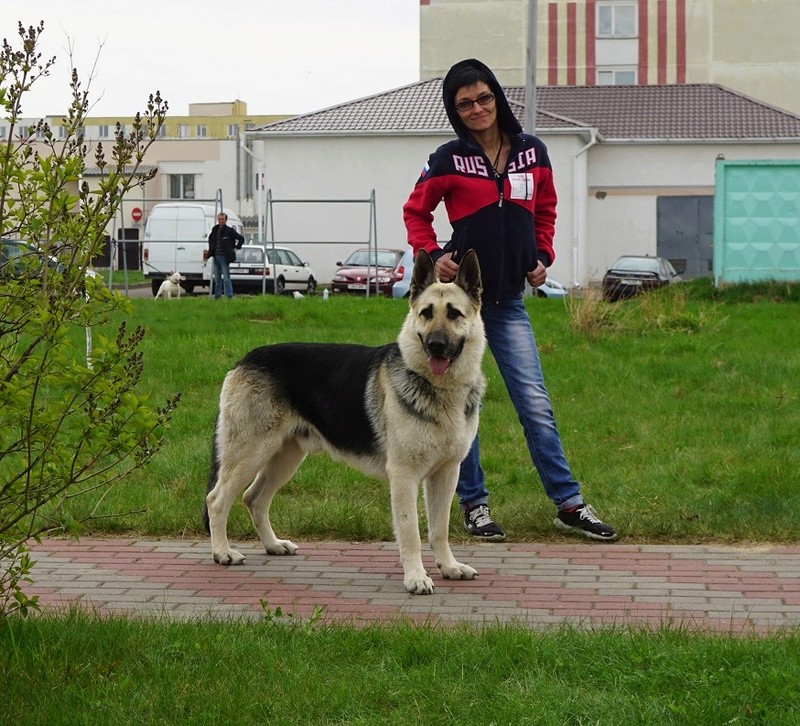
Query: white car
x=282 y=272
x=550 y=288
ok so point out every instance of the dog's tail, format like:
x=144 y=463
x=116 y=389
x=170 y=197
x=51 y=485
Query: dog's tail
x=212 y=476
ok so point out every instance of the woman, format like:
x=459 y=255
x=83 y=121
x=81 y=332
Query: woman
x=497 y=186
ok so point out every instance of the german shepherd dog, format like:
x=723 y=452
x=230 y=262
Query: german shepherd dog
x=413 y=422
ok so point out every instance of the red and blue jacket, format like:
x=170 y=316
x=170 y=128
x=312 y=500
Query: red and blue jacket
x=508 y=218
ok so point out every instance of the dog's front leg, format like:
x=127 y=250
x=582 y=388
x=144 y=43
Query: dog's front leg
x=403 y=491
x=439 y=491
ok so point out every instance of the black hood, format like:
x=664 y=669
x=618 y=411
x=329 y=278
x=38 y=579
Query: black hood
x=464 y=73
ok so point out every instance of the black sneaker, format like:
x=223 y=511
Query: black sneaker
x=479 y=523
x=584 y=520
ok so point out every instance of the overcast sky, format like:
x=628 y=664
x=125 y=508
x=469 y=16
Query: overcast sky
x=279 y=56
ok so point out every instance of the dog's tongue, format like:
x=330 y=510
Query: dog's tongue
x=438 y=365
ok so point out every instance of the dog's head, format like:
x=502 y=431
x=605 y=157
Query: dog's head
x=444 y=318
x=175 y=277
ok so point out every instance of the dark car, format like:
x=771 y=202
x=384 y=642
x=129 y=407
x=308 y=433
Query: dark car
x=634 y=274
x=16 y=256
x=364 y=268
x=20 y=259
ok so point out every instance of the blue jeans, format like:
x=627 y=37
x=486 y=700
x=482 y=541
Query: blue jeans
x=510 y=338
x=222 y=271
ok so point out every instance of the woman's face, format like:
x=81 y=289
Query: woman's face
x=477 y=117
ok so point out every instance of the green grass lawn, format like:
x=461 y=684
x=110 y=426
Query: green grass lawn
x=680 y=415
x=679 y=418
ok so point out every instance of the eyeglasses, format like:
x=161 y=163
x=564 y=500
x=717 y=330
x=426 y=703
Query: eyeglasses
x=485 y=99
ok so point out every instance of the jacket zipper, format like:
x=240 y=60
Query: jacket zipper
x=500 y=191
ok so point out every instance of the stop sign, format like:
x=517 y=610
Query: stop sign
x=136 y=214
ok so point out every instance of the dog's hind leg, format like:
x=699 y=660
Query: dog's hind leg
x=231 y=481
x=439 y=489
x=258 y=497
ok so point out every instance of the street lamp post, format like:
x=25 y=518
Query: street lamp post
x=530 y=75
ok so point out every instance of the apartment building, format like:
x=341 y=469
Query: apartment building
x=749 y=46
x=197 y=156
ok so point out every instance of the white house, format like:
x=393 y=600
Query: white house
x=634 y=169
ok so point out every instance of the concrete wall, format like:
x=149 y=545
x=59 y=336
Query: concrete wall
x=630 y=178
x=351 y=167
x=342 y=168
x=748 y=45
x=591 y=232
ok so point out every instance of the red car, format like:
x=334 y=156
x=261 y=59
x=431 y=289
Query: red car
x=367 y=267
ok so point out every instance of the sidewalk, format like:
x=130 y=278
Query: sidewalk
x=730 y=589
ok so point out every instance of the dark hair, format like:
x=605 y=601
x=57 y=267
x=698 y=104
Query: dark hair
x=466 y=75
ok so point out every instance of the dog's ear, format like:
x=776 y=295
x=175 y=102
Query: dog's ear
x=469 y=276
x=423 y=274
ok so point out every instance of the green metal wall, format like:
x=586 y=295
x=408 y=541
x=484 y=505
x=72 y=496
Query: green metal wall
x=757 y=221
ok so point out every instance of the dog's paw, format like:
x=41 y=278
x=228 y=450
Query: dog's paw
x=281 y=547
x=419 y=585
x=458 y=571
x=231 y=557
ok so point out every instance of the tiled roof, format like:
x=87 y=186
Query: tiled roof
x=672 y=112
x=696 y=112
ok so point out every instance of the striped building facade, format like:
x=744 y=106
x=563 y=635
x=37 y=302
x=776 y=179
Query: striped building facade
x=746 y=45
x=576 y=49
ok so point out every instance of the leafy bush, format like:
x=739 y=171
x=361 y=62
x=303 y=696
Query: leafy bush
x=73 y=422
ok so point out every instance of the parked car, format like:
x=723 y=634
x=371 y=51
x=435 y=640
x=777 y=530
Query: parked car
x=18 y=254
x=363 y=268
x=633 y=274
x=550 y=288
x=401 y=286
x=284 y=271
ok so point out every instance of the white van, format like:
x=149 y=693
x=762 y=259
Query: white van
x=175 y=240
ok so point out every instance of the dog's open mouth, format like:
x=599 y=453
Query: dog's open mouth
x=439 y=366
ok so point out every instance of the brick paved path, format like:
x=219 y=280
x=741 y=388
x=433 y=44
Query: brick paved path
x=539 y=585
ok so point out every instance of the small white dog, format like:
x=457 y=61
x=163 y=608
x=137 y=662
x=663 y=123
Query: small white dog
x=171 y=286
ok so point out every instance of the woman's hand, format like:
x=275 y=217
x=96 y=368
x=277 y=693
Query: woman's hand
x=446 y=269
x=537 y=275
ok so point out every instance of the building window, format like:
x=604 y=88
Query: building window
x=616 y=19
x=183 y=131
x=62 y=132
x=162 y=131
x=2 y=132
x=233 y=131
x=181 y=186
x=103 y=132
x=201 y=131
x=616 y=77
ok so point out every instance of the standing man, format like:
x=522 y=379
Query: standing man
x=222 y=245
x=497 y=186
